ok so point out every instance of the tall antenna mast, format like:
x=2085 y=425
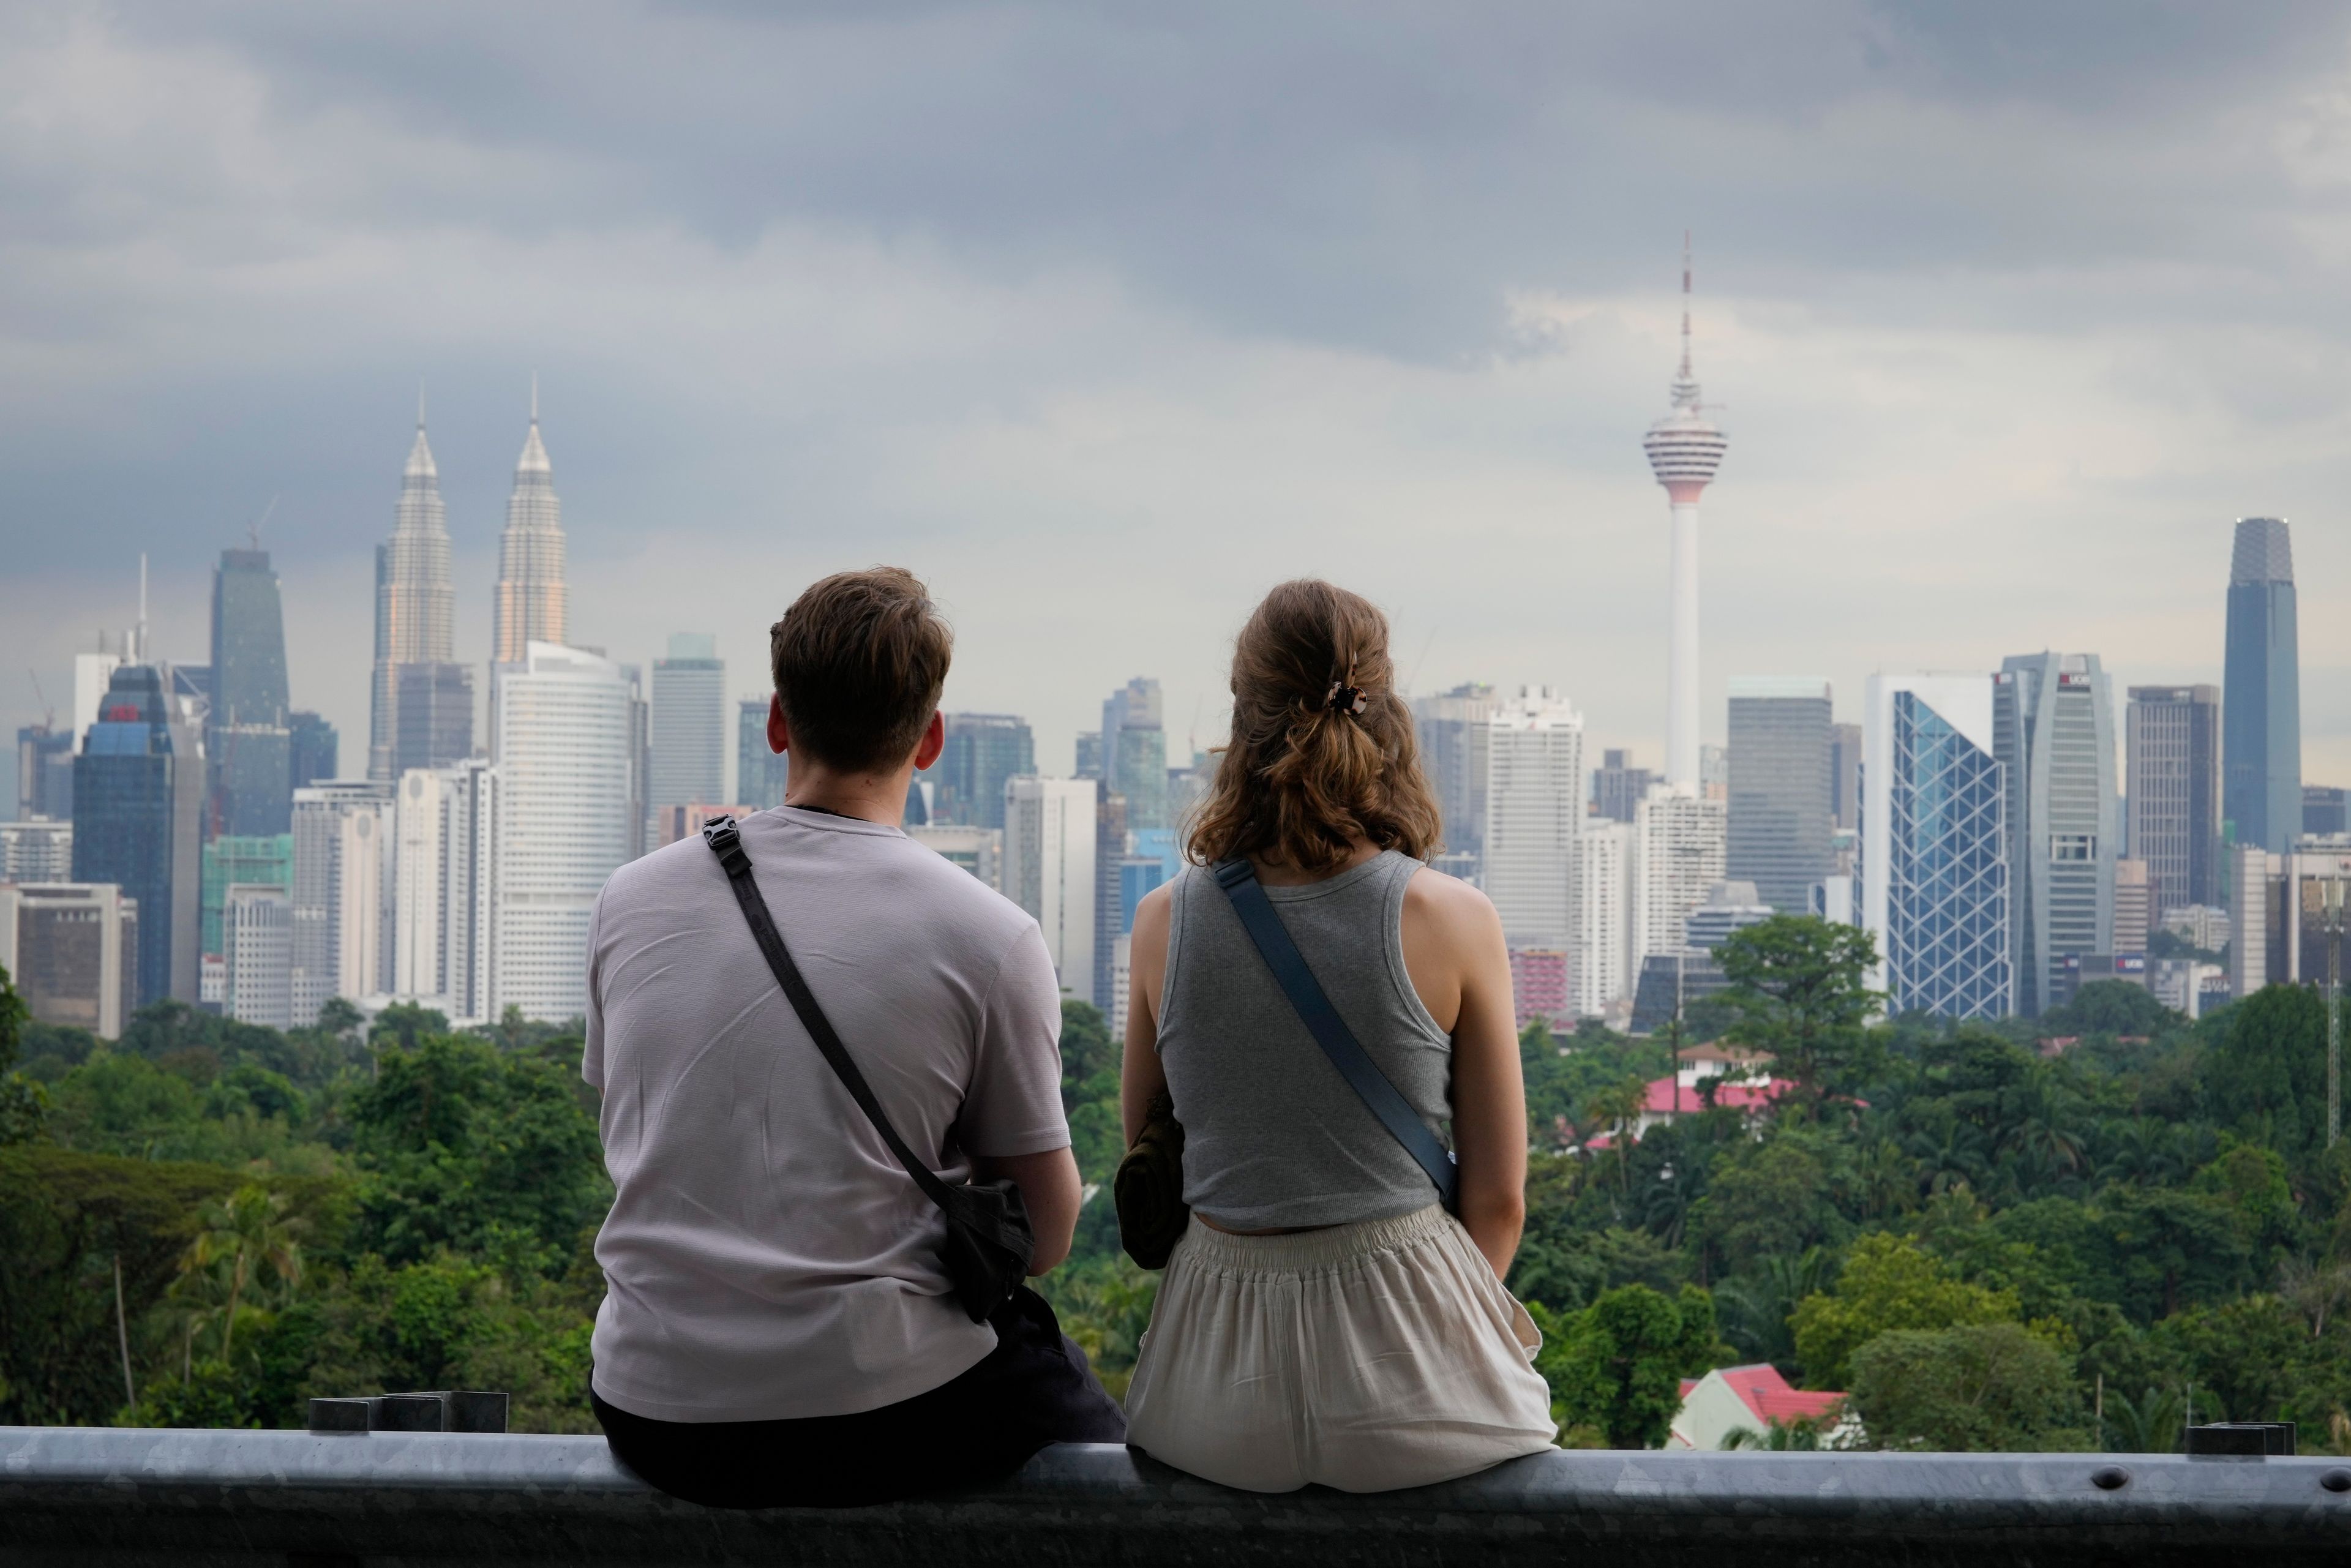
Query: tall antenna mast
x=139 y=653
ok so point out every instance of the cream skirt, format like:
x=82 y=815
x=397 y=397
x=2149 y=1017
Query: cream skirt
x=1365 y=1357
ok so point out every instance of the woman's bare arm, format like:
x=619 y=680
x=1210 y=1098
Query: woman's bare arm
x=1141 y=1079
x=1460 y=966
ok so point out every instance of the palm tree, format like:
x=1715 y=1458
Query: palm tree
x=2151 y=1424
x=1620 y=1106
x=1801 y=1435
x=244 y=1237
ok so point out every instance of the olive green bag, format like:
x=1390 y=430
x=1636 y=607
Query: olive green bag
x=1149 y=1188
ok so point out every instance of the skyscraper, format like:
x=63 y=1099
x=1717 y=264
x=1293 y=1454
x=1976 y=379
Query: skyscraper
x=1935 y=845
x=310 y=749
x=1684 y=448
x=139 y=794
x=1110 y=857
x=689 y=720
x=444 y=830
x=2261 y=709
x=2053 y=731
x=72 y=950
x=1618 y=787
x=1450 y=729
x=1534 y=809
x=983 y=750
x=1134 y=751
x=762 y=776
x=1781 y=810
x=2171 y=769
x=532 y=604
x=44 y=772
x=411 y=610
x=1048 y=870
x=1604 y=916
x=564 y=809
x=247 y=745
x=2326 y=809
x=1844 y=775
x=1679 y=850
x=344 y=877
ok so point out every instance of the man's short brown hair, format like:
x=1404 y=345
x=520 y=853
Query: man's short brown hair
x=860 y=660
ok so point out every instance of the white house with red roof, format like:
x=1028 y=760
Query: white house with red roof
x=1729 y=1398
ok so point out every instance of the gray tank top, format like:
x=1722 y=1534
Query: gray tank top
x=1272 y=1136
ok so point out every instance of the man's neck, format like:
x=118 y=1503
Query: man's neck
x=867 y=797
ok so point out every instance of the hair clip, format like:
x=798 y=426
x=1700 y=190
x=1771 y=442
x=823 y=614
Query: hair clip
x=1345 y=699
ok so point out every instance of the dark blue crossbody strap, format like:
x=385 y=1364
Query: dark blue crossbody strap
x=1263 y=922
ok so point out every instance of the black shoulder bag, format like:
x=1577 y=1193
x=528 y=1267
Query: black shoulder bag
x=989 y=1242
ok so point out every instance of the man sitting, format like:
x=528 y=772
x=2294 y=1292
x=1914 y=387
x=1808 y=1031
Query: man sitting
x=778 y=1328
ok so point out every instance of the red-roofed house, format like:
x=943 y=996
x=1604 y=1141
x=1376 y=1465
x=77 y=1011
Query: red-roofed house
x=1754 y=1397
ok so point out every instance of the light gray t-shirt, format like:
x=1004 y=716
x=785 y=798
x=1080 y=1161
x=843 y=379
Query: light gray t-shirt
x=765 y=1257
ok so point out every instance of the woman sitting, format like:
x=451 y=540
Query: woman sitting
x=1323 y=1317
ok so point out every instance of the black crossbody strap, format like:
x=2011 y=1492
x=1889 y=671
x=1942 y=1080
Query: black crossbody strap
x=721 y=837
x=1263 y=922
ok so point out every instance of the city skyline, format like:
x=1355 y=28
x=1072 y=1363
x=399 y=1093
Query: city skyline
x=2096 y=360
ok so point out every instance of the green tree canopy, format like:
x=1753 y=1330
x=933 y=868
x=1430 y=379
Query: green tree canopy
x=1798 y=990
x=1617 y=1365
x=1888 y=1283
x=1983 y=1387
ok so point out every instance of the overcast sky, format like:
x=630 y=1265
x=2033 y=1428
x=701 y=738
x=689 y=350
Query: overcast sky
x=1104 y=318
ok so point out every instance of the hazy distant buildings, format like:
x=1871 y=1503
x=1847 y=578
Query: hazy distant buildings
x=434 y=709
x=1049 y=868
x=71 y=950
x=1679 y=851
x=1729 y=906
x=1134 y=751
x=138 y=795
x=2261 y=746
x=2133 y=910
x=258 y=921
x=1603 y=951
x=983 y=750
x=344 y=878
x=248 y=744
x=761 y=775
x=2323 y=809
x=1782 y=771
x=1845 y=776
x=1935 y=889
x=44 y=772
x=1617 y=787
x=412 y=603
x=262 y=860
x=310 y=750
x=445 y=830
x=564 y=809
x=1534 y=811
x=689 y=720
x=2171 y=767
x=37 y=851
x=2053 y=728
x=1450 y=729
x=532 y=604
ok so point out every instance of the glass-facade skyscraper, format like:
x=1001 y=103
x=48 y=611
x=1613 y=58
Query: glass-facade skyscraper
x=2261 y=698
x=1451 y=730
x=248 y=746
x=983 y=750
x=1935 y=845
x=1134 y=751
x=2053 y=726
x=2171 y=761
x=1782 y=804
x=138 y=795
x=689 y=724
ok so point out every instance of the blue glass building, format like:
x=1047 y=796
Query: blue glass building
x=247 y=745
x=139 y=796
x=2261 y=697
x=1935 y=845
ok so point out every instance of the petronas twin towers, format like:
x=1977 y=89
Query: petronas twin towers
x=422 y=714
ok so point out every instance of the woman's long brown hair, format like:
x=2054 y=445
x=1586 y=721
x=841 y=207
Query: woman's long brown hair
x=1299 y=781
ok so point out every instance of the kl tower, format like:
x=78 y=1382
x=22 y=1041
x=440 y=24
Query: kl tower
x=1685 y=449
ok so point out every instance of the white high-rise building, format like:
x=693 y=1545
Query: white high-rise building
x=1048 y=870
x=1535 y=788
x=344 y=874
x=257 y=929
x=1604 y=916
x=689 y=723
x=1680 y=845
x=1684 y=448
x=72 y=949
x=445 y=825
x=561 y=823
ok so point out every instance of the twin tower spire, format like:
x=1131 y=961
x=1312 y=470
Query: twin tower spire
x=418 y=687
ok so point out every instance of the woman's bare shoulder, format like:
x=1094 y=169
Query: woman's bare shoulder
x=1431 y=895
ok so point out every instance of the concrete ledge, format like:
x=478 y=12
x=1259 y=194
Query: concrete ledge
x=105 y=1497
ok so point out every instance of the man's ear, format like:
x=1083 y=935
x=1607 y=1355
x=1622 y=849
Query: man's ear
x=934 y=741
x=779 y=734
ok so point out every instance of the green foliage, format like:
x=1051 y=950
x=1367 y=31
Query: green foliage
x=1888 y=1284
x=1797 y=990
x=23 y=1103
x=1769 y=1198
x=2266 y=1078
x=1105 y=1304
x=1617 y=1365
x=1984 y=1387
x=2111 y=1007
x=465 y=1146
x=1090 y=1069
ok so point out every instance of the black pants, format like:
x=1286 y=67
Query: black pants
x=1032 y=1390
